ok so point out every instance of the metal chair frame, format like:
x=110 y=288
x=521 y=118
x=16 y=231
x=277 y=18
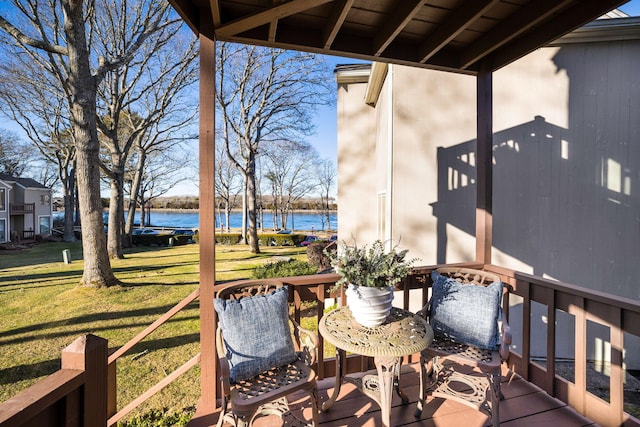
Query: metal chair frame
x=461 y=372
x=266 y=393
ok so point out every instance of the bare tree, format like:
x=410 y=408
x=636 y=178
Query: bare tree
x=57 y=35
x=290 y=168
x=228 y=187
x=141 y=104
x=154 y=169
x=160 y=174
x=15 y=154
x=35 y=101
x=326 y=175
x=265 y=95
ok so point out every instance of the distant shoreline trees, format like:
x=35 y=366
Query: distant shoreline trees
x=193 y=202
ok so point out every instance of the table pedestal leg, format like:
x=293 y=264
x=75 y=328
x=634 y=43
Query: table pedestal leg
x=340 y=358
x=386 y=367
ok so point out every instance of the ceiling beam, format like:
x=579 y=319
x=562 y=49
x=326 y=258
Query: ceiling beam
x=273 y=27
x=458 y=21
x=274 y=13
x=400 y=18
x=335 y=21
x=215 y=13
x=511 y=28
x=579 y=14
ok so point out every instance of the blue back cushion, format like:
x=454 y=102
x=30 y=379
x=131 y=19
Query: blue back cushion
x=256 y=333
x=466 y=313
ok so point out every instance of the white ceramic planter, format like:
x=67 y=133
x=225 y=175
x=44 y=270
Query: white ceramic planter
x=369 y=306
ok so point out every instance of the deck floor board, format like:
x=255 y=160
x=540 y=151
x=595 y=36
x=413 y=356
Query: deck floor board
x=524 y=405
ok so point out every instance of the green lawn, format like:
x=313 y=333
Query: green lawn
x=43 y=310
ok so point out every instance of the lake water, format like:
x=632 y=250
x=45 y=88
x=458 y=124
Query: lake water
x=190 y=219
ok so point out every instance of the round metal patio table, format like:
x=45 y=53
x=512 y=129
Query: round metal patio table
x=403 y=333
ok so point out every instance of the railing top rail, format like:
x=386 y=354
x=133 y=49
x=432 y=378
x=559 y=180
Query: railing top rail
x=17 y=409
x=155 y=325
x=590 y=294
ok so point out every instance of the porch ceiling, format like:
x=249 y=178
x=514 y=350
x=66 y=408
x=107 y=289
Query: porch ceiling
x=451 y=35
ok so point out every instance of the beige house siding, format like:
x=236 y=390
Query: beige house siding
x=20 y=191
x=356 y=131
x=432 y=109
x=566 y=197
x=566 y=173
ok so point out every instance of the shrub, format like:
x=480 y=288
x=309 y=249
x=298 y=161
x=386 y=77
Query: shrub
x=228 y=238
x=284 y=268
x=273 y=239
x=160 y=418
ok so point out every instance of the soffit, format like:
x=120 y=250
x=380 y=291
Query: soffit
x=451 y=35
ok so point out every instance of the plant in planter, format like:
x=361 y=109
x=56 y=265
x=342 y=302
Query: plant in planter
x=369 y=272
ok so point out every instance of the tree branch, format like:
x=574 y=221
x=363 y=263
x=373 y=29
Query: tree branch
x=25 y=40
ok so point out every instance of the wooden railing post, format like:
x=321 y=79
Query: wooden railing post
x=89 y=354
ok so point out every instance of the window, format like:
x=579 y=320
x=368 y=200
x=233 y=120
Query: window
x=3 y=194
x=3 y=227
x=45 y=225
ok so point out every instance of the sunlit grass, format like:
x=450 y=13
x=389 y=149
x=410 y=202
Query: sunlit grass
x=44 y=310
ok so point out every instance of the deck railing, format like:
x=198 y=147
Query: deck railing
x=22 y=208
x=73 y=396
x=309 y=294
x=562 y=304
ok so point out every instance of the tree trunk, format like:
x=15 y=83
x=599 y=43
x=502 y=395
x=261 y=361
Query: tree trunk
x=227 y=215
x=116 y=218
x=252 y=207
x=133 y=196
x=97 y=269
x=69 y=188
x=245 y=204
x=252 y=214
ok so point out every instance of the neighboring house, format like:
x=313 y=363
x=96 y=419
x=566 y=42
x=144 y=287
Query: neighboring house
x=25 y=209
x=566 y=176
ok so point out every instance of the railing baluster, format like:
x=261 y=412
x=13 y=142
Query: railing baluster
x=551 y=343
x=617 y=374
x=577 y=395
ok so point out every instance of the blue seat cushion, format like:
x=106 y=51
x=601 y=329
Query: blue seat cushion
x=256 y=333
x=466 y=313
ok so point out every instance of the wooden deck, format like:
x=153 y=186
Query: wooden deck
x=524 y=405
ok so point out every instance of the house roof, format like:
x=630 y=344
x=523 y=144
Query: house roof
x=23 y=182
x=451 y=35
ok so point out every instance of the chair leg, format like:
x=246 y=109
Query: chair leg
x=425 y=373
x=223 y=411
x=314 y=406
x=496 y=396
x=421 y=392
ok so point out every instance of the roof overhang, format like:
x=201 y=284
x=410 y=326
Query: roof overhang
x=451 y=35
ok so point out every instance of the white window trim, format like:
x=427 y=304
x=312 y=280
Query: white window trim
x=6 y=231
x=50 y=223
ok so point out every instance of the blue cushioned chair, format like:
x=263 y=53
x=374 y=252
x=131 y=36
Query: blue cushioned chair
x=259 y=362
x=471 y=341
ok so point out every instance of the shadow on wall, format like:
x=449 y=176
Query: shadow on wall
x=565 y=200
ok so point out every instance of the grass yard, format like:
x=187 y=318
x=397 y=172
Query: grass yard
x=43 y=310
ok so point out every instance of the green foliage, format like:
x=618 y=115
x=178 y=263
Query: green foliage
x=160 y=418
x=372 y=266
x=228 y=238
x=274 y=239
x=264 y=239
x=284 y=268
